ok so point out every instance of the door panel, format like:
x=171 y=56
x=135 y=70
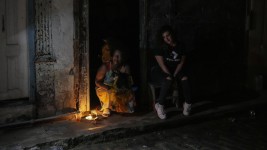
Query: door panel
x=13 y=50
x=11 y=21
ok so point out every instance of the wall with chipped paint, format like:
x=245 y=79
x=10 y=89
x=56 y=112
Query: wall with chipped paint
x=53 y=63
x=62 y=22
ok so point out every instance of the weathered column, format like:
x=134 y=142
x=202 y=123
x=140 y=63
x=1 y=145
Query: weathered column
x=45 y=60
x=84 y=50
x=81 y=54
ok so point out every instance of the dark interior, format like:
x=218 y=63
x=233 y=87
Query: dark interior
x=118 y=19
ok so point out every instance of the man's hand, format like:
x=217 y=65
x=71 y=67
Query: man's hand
x=169 y=77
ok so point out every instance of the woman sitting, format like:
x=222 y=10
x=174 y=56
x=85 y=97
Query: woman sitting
x=113 y=86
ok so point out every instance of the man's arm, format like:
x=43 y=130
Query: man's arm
x=163 y=66
x=179 y=66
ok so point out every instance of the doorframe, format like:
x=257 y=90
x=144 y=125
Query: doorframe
x=31 y=49
x=143 y=51
x=81 y=55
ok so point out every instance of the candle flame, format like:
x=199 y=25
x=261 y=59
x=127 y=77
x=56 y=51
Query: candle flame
x=92 y=116
x=89 y=117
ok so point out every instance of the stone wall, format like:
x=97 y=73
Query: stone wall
x=54 y=57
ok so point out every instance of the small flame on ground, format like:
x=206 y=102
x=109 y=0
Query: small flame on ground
x=92 y=116
x=89 y=117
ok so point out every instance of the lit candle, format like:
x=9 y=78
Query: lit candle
x=89 y=117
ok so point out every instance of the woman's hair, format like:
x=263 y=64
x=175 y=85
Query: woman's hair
x=106 y=51
x=163 y=29
x=109 y=47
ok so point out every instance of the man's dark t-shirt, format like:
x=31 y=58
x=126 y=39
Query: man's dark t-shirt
x=171 y=55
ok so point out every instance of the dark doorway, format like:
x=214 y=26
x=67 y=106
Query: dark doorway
x=117 y=19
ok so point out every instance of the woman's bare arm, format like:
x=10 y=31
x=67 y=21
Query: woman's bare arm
x=100 y=75
x=127 y=69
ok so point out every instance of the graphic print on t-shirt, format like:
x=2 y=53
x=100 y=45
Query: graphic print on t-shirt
x=173 y=57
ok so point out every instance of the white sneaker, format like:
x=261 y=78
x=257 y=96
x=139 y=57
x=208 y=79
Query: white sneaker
x=131 y=106
x=160 y=111
x=187 y=109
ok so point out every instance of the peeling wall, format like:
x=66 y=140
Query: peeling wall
x=62 y=22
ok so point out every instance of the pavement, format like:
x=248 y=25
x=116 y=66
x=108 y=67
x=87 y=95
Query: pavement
x=68 y=132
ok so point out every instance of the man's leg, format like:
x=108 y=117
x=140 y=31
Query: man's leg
x=187 y=96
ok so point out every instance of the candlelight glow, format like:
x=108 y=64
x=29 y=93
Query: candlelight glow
x=92 y=116
x=95 y=128
x=89 y=117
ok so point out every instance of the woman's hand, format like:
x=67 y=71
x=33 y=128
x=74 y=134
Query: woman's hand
x=106 y=87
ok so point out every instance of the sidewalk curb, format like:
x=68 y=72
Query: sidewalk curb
x=118 y=133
